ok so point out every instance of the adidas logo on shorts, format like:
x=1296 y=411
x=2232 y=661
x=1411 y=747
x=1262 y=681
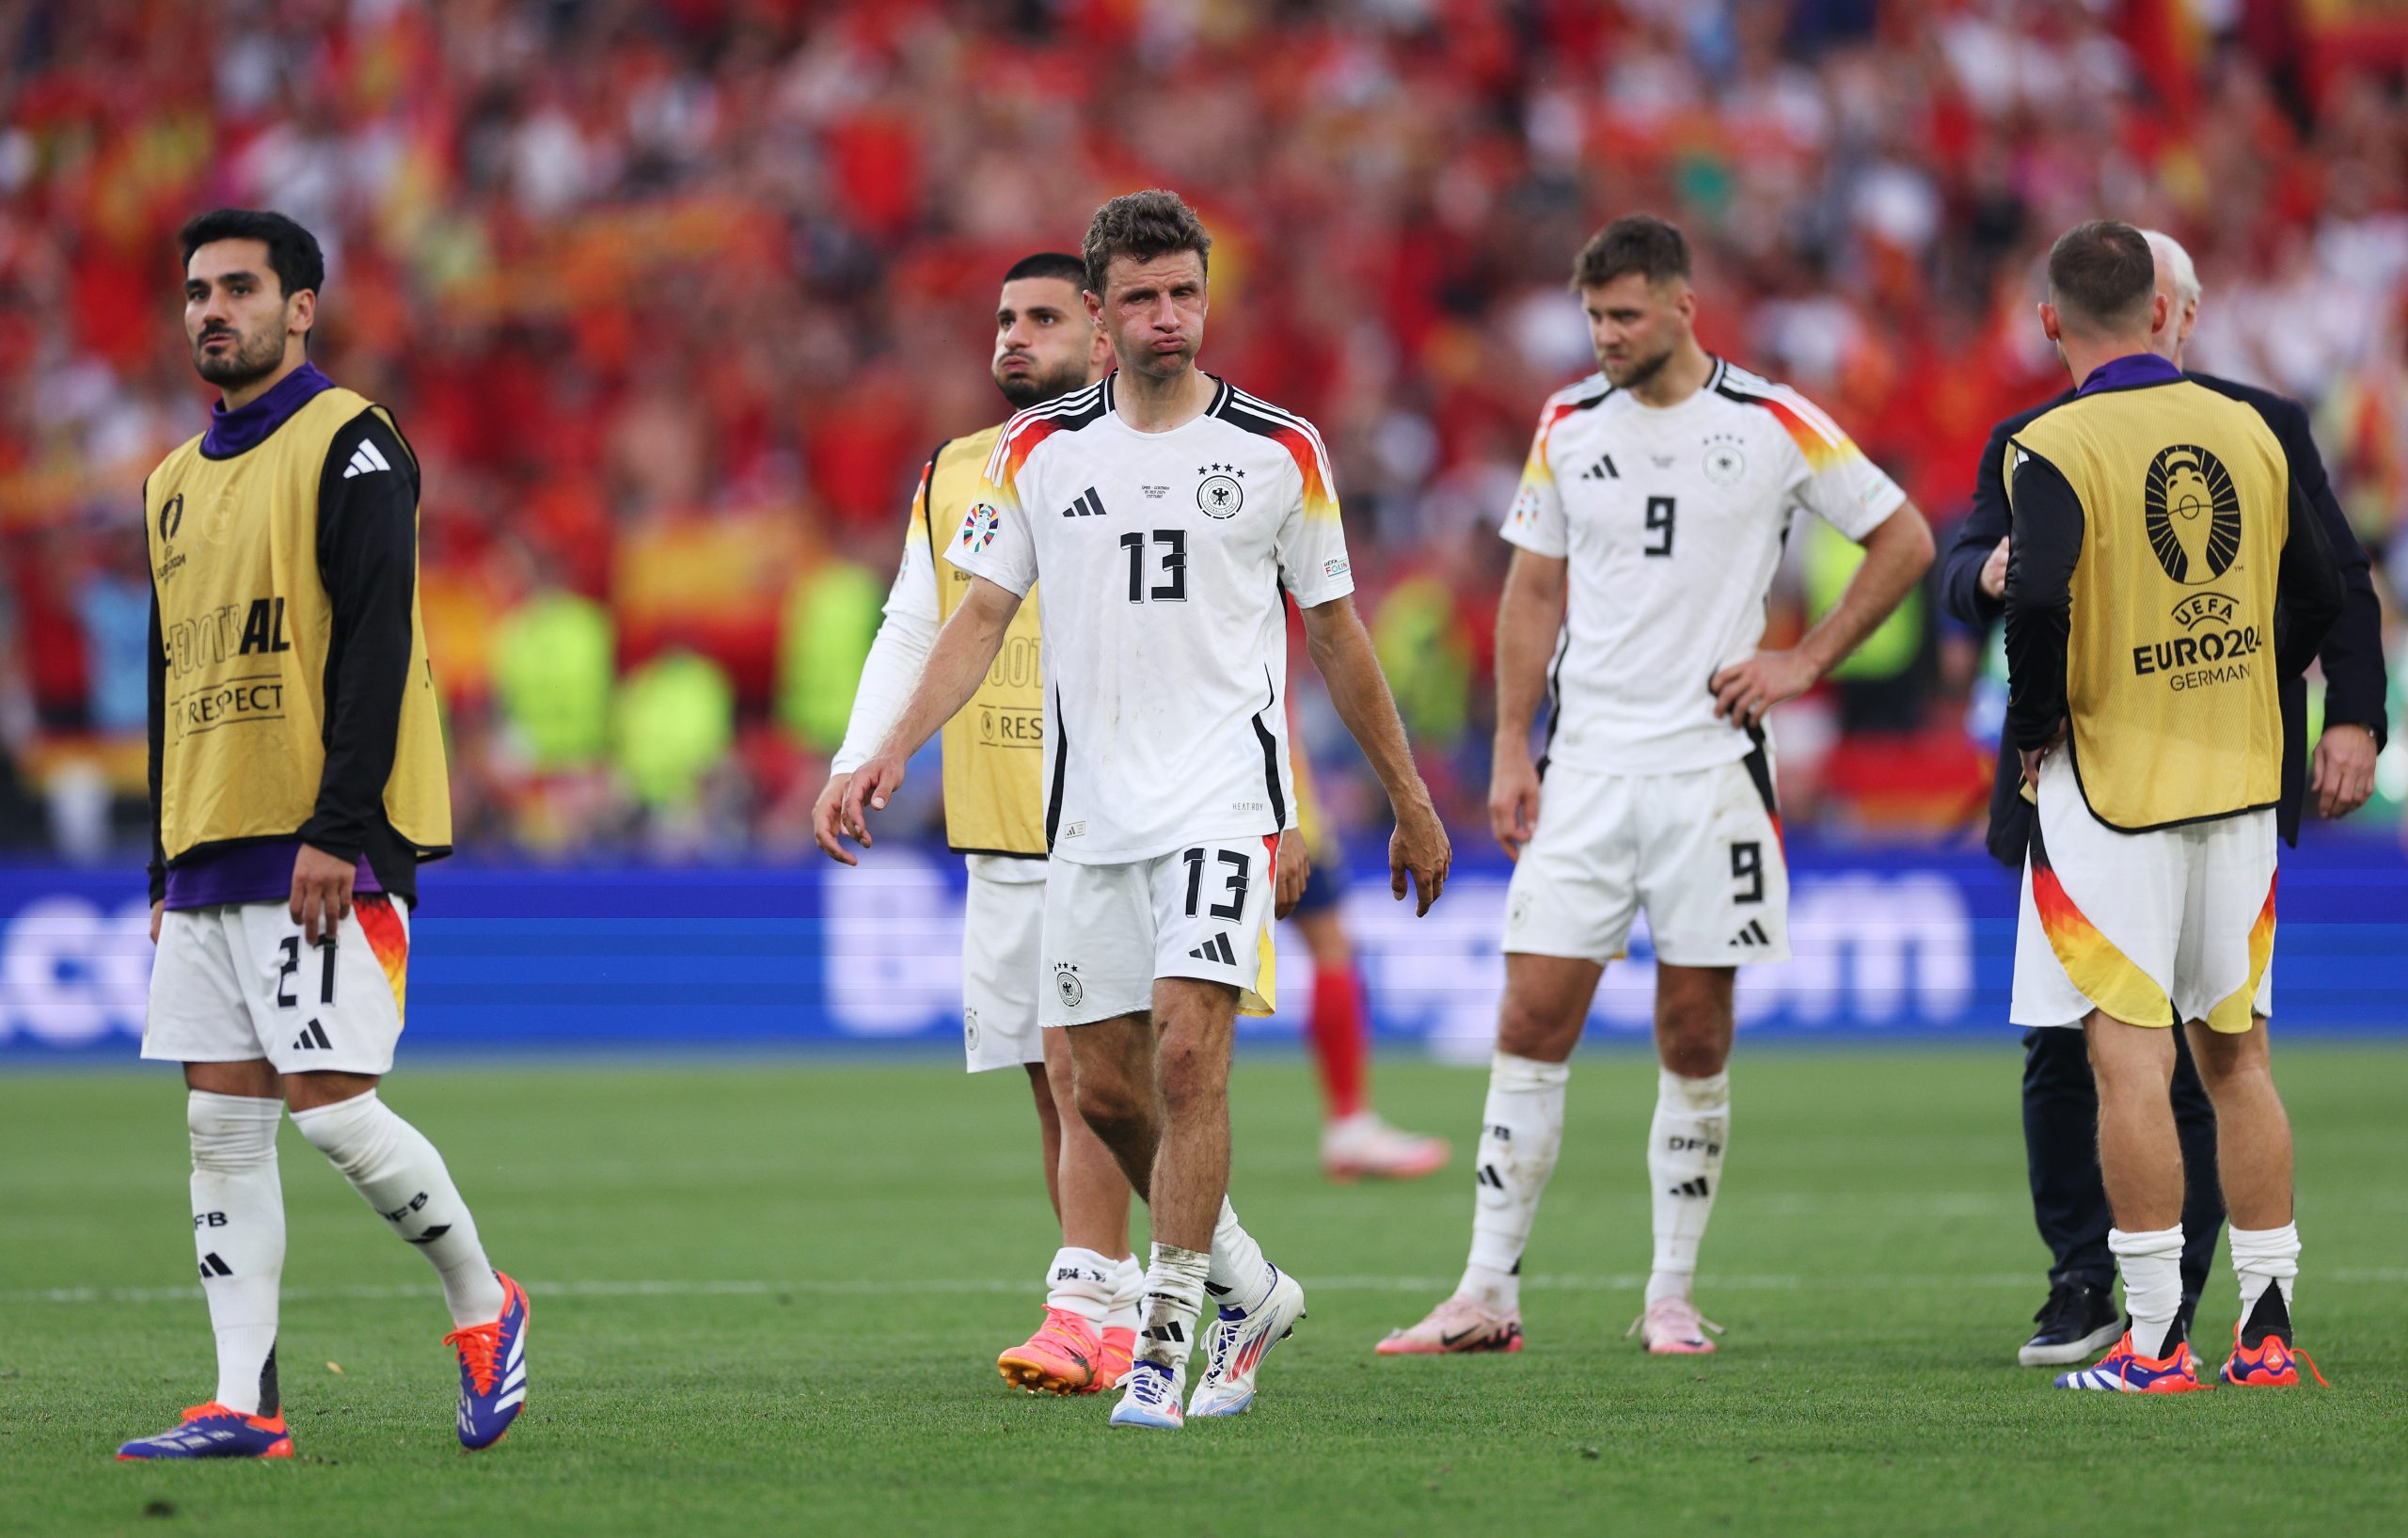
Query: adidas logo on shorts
x=1216 y=949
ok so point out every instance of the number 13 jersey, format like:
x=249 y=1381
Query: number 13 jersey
x=1165 y=557
x=1671 y=522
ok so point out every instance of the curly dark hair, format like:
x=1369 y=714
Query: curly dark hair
x=1144 y=225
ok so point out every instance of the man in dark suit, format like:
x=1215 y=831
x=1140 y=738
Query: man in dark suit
x=2060 y=1102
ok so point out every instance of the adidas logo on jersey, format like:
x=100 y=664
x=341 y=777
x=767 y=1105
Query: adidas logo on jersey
x=365 y=460
x=1216 y=949
x=1602 y=471
x=1089 y=505
x=1753 y=935
x=313 y=1039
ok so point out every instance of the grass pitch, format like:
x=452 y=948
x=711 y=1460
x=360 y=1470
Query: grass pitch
x=767 y=1297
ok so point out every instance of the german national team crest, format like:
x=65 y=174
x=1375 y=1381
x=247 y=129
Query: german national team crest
x=1724 y=462
x=1220 y=496
x=1068 y=987
x=978 y=527
x=970 y=1029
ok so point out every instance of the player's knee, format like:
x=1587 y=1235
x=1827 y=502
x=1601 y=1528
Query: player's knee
x=1112 y=1109
x=1694 y=1058
x=1192 y=1075
x=1540 y=1029
x=1693 y=1032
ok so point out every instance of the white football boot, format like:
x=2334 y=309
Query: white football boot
x=1236 y=1342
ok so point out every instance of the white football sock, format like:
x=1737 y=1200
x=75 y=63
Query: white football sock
x=1521 y=1132
x=1685 y=1148
x=2151 y=1264
x=1174 y=1296
x=1128 y=1308
x=390 y=1164
x=1240 y=1278
x=1082 y=1282
x=238 y=1234
x=2263 y=1258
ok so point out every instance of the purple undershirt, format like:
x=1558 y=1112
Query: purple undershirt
x=2130 y=369
x=260 y=872
x=245 y=427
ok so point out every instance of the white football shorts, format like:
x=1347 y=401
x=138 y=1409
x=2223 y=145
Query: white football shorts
x=1202 y=912
x=1003 y=927
x=235 y=982
x=2155 y=928
x=1700 y=851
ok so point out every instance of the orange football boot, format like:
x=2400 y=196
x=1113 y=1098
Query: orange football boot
x=1060 y=1358
x=1119 y=1350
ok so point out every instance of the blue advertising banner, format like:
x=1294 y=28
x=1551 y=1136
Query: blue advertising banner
x=1887 y=942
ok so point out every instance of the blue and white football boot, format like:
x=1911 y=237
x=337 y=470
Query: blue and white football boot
x=1149 y=1396
x=213 y=1431
x=493 y=1370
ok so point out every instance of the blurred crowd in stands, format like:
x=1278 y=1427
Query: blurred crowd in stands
x=674 y=298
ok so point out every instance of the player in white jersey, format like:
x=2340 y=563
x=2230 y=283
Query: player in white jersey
x=1046 y=347
x=1171 y=517
x=1647 y=528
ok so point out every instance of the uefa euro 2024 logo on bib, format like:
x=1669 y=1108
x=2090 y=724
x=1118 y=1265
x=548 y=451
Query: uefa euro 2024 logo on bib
x=2194 y=513
x=978 y=527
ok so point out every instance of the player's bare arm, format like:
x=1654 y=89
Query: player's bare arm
x=965 y=649
x=1341 y=649
x=1896 y=554
x=1527 y=617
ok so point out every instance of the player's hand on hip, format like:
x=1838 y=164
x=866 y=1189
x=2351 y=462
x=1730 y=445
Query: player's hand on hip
x=1419 y=849
x=1746 y=692
x=2345 y=756
x=824 y=813
x=1295 y=868
x=1994 y=572
x=320 y=892
x=871 y=784
x=2034 y=757
x=1512 y=796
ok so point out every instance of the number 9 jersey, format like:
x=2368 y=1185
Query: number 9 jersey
x=1672 y=522
x=1165 y=559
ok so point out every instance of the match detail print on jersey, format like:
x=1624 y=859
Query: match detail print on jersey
x=1166 y=560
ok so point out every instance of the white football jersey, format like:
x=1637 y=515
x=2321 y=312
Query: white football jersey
x=1672 y=522
x=1166 y=557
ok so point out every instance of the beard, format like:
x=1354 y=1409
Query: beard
x=251 y=358
x=1637 y=373
x=1035 y=388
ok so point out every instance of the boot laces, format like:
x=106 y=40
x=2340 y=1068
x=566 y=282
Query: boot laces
x=476 y=1344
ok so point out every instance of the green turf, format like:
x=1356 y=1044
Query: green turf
x=1873 y=1256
